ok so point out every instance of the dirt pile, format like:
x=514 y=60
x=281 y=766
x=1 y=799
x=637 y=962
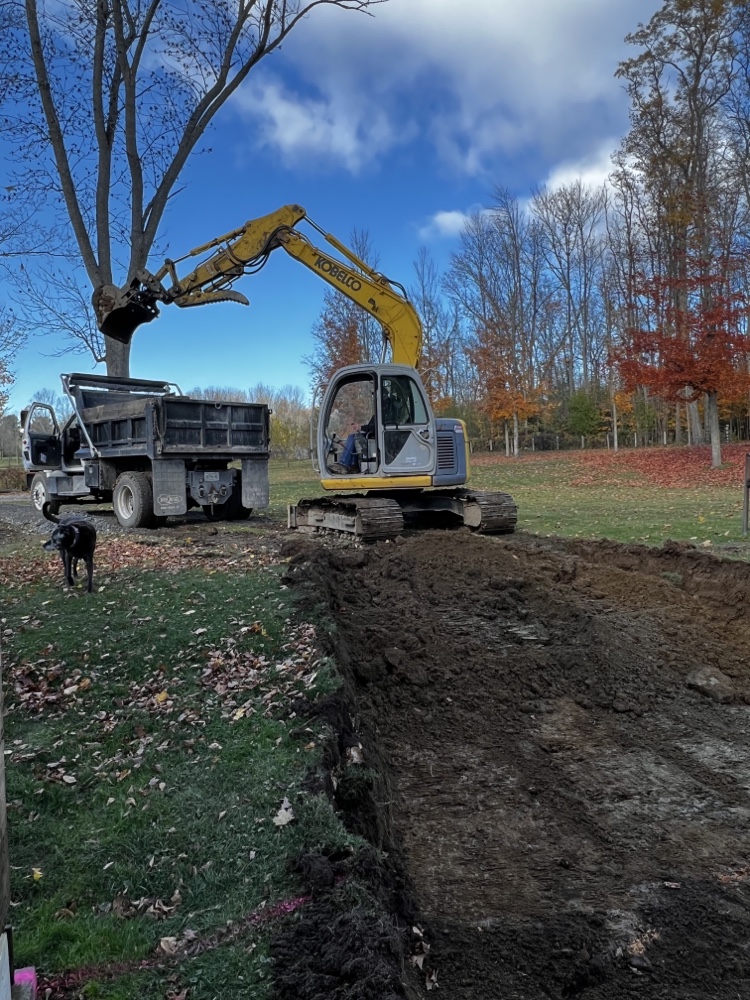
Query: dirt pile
x=570 y=795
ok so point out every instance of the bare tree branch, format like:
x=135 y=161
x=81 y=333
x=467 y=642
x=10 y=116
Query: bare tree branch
x=118 y=94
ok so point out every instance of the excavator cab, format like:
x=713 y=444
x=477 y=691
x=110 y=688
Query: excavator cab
x=375 y=423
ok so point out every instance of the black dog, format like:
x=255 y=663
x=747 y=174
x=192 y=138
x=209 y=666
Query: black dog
x=74 y=538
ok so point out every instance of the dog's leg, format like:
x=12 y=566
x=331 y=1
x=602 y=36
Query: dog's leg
x=89 y=560
x=67 y=567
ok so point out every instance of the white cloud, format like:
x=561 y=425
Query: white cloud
x=484 y=79
x=296 y=125
x=593 y=170
x=448 y=224
x=443 y=224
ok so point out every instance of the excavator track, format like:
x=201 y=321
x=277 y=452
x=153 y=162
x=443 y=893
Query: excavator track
x=496 y=512
x=365 y=518
x=369 y=518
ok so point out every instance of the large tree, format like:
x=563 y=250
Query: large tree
x=109 y=100
x=496 y=279
x=678 y=159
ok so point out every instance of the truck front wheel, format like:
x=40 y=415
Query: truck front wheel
x=40 y=494
x=133 y=500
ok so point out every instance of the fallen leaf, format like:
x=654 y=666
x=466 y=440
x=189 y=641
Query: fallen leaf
x=285 y=814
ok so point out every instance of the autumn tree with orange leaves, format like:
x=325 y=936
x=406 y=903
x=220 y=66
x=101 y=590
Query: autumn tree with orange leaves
x=502 y=393
x=695 y=342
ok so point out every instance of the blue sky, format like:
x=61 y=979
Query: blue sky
x=398 y=125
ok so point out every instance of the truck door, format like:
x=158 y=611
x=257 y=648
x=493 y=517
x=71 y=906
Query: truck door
x=40 y=443
x=408 y=432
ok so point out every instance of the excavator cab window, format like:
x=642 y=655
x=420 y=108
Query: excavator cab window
x=401 y=401
x=403 y=409
x=350 y=431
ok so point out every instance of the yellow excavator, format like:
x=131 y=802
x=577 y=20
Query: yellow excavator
x=381 y=454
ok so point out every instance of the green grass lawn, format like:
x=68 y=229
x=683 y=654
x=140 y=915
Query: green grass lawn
x=148 y=731
x=550 y=501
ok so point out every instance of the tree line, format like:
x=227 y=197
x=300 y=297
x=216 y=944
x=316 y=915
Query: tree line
x=605 y=313
x=572 y=316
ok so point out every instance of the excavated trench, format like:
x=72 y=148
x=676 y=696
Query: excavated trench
x=555 y=770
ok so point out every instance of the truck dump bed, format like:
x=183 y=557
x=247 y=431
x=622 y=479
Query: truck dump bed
x=129 y=416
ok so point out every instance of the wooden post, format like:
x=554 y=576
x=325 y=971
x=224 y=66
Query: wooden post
x=6 y=970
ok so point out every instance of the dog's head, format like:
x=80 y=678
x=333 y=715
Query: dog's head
x=61 y=538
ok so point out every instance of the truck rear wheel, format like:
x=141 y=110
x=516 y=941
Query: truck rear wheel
x=133 y=500
x=40 y=494
x=215 y=511
x=235 y=510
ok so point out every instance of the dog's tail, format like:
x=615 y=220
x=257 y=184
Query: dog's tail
x=46 y=512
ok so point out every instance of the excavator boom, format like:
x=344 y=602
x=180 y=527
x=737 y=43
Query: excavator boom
x=120 y=311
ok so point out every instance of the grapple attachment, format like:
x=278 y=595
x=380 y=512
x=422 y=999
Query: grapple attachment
x=120 y=311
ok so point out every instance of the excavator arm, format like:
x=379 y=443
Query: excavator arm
x=120 y=311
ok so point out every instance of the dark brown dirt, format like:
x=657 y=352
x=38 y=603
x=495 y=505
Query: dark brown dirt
x=573 y=817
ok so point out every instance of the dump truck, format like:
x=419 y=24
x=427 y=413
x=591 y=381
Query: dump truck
x=149 y=450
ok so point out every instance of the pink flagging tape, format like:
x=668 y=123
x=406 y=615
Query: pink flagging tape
x=27 y=977
x=59 y=985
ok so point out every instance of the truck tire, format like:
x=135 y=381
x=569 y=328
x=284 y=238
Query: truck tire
x=240 y=513
x=133 y=500
x=235 y=510
x=40 y=494
x=215 y=512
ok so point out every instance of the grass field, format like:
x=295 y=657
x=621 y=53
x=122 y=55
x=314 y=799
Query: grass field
x=150 y=753
x=641 y=495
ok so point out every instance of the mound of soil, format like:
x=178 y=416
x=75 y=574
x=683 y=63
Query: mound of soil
x=562 y=728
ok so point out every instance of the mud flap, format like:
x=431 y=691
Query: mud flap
x=255 y=488
x=170 y=495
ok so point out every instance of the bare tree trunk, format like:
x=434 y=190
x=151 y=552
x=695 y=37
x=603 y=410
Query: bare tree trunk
x=615 y=442
x=677 y=424
x=516 y=436
x=507 y=440
x=117 y=358
x=712 y=408
x=696 y=427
